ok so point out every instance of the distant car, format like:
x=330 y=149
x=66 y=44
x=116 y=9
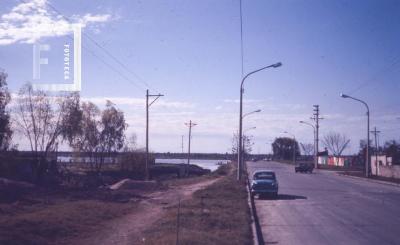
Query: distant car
x=264 y=182
x=304 y=168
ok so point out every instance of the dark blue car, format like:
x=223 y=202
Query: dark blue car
x=264 y=182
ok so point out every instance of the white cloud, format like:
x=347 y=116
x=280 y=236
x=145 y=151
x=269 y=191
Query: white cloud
x=30 y=21
x=139 y=102
x=245 y=101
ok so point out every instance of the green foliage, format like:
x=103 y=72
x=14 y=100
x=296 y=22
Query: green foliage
x=283 y=148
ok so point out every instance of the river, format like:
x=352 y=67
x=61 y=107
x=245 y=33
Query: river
x=206 y=164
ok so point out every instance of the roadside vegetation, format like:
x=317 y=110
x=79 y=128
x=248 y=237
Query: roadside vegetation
x=49 y=217
x=218 y=214
x=30 y=214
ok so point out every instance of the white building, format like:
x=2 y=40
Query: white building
x=378 y=162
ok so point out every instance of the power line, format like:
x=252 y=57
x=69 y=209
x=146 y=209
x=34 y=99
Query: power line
x=115 y=59
x=104 y=50
x=375 y=76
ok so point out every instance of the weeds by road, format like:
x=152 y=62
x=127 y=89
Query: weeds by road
x=218 y=214
x=34 y=215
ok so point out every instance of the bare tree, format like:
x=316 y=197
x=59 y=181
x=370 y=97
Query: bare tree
x=131 y=143
x=5 y=125
x=336 y=143
x=308 y=148
x=38 y=117
x=247 y=143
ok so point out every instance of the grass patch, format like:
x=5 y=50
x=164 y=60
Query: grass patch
x=218 y=214
x=56 y=222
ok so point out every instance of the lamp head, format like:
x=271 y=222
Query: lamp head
x=277 y=65
x=301 y=121
x=343 y=95
x=259 y=110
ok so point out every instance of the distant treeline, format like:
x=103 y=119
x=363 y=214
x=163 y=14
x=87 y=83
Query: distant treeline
x=164 y=155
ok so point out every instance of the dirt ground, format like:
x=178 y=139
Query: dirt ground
x=129 y=228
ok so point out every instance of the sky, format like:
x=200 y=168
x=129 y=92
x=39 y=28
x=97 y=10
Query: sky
x=190 y=51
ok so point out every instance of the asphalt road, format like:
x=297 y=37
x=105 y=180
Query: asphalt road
x=324 y=208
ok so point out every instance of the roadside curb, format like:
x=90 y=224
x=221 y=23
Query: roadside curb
x=370 y=180
x=258 y=238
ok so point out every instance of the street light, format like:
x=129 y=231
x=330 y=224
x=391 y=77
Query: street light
x=249 y=113
x=367 y=153
x=294 y=146
x=239 y=168
x=247 y=129
x=315 y=150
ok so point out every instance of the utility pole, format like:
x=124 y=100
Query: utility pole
x=376 y=132
x=190 y=125
x=316 y=118
x=182 y=144
x=147 y=126
x=294 y=151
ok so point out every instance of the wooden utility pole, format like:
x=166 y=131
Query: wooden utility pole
x=316 y=118
x=190 y=125
x=376 y=132
x=182 y=144
x=147 y=126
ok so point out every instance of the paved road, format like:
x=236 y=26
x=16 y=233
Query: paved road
x=324 y=208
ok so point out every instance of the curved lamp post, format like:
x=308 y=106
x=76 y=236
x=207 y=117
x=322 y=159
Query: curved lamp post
x=367 y=153
x=245 y=115
x=249 y=113
x=239 y=168
x=315 y=150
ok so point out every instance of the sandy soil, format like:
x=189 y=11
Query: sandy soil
x=128 y=229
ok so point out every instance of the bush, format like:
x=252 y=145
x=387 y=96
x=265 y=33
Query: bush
x=135 y=163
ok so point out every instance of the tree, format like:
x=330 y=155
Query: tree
x=392 y=149
x=131 y=144
x=308 y=149
x=283 y=148
x=336 y=143
x=133 y=159
x=247 y=144
x=39 y=118
x=5 y=125
x=92 y=131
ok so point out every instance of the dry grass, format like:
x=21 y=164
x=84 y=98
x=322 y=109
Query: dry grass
x=63 y=215
x=56 y=220
x=218 y=214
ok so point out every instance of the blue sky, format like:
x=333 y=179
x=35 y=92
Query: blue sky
x=190 y=51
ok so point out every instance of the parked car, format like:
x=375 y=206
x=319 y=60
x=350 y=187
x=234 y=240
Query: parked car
x=264 y=182
x=304 y=168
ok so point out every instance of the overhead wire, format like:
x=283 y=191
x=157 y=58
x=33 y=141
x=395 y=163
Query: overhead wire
x=376 y=76
x=110 y=55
